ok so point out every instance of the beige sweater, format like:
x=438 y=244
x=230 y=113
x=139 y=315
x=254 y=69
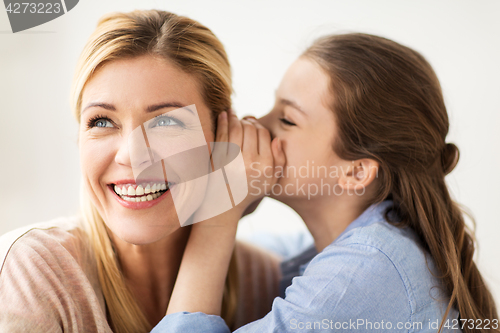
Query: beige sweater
x=49 y=282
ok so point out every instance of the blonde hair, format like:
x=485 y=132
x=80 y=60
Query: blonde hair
x=194 y=49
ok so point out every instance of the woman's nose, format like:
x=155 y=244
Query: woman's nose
x=135 y=150
x=122 y=156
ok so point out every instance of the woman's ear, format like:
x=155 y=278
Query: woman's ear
x=359 y=174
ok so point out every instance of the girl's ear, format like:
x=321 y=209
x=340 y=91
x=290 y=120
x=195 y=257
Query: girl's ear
x=359 y=174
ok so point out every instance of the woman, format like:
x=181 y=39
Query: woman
x=114 y=268
x=367 y=115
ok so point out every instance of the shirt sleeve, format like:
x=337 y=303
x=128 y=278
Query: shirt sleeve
x=343 y=288
x=191 y=322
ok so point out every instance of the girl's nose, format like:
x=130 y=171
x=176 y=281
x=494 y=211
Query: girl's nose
x=266 y=121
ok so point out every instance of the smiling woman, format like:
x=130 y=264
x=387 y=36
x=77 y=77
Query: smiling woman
x=113 y=268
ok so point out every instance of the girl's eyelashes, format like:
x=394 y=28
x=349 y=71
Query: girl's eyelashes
x=99 y=121
x=287 y=122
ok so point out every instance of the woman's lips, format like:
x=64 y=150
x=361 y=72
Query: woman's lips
x=141 y=204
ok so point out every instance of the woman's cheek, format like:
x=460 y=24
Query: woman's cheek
x=96 y=155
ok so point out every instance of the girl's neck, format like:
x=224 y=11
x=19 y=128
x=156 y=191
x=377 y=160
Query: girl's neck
x=326 y=217
x=150 y=270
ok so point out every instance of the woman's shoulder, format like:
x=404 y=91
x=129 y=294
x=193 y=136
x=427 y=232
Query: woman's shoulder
x=43 y=238
x=49 y=279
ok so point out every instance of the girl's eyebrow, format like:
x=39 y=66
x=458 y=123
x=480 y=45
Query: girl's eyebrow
x=293 y=104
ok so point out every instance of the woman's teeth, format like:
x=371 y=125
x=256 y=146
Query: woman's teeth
x=143 y=192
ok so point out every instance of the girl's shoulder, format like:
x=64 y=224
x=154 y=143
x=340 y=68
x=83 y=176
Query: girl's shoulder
x=384 y=265
x=398 y=249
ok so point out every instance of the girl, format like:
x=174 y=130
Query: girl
x=367 y=115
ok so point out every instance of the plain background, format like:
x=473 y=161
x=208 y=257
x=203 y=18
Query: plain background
x=39 y=162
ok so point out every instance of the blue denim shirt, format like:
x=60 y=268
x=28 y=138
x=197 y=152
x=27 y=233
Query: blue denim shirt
x=374 y=277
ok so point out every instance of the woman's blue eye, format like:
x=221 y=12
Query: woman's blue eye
x=164 y=121
x=103 y=123
x=99 y=121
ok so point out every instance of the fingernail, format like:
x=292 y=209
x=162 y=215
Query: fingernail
x=279 y=143
x=223 y=115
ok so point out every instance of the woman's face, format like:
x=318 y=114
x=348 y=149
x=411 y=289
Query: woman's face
x=123 y=99
x=304 y=122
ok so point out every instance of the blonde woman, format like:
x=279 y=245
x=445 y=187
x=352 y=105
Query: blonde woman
x=113 y=268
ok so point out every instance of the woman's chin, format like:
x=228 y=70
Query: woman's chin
x=142 y=232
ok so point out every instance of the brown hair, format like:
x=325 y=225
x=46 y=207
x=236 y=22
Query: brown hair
x=197 y=51
x=389 y=107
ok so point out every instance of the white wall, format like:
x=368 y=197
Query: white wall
x=39 y=165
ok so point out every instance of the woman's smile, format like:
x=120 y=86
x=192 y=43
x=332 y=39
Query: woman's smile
x=139 y=196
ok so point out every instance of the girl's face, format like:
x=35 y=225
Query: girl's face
x=303 y=121
x=118 y=99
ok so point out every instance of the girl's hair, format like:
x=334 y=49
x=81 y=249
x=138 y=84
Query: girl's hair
x=195 y=50
x=389 y=107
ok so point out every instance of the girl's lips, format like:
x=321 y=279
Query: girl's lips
x=137 y=205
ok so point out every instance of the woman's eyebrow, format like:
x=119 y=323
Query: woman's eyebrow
x=156 y=107
x=150 y=108
x=106 y=106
